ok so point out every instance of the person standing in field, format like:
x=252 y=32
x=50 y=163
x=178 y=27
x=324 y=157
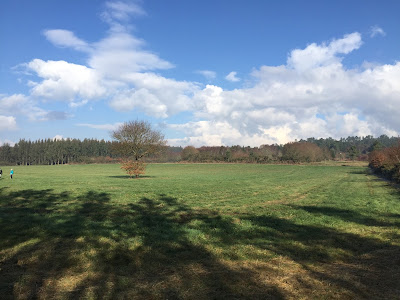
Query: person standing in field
x=11 y=173
x=1 y=172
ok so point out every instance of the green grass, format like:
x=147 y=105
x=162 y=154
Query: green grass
x=199 y=231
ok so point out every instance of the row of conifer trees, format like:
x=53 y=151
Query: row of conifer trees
x=50 y=152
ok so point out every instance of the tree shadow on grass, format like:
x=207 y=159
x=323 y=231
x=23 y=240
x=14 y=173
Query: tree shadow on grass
x=359 y=267
x=349 y=215
x=305 y=243
x=133 y=177
x=57 y=245
x=364 y=171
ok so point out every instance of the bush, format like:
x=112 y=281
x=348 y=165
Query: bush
x=302 y=152
x=133 y=167
x=189 y=153
x=386 y=162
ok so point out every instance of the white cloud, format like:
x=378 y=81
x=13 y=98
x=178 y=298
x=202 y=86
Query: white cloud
x=122 y=10
x=232 y=77
x=210 y=133
x=22 y=105
x=118 y=14
x=108 y=127
x=66 y=38
x=376 y=30
x=155 y=95
x=7 y=123
x=13 y=103
x=207 y=74
x=285 y=101
x=58 y=137
x=63 y=81
x=78 y=103
x=112 y=63
x=6 y=141
x=121 y=53
x=205 y=133
x=210 y=100
x=323 y=55
x=119 y=69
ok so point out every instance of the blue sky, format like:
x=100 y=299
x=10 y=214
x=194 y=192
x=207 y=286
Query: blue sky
x=204 y=72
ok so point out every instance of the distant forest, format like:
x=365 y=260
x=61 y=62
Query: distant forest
x=68 y=151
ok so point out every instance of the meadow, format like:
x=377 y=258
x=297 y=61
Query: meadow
x=199 y=231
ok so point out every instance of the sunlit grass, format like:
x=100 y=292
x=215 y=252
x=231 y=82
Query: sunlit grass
x=199 y=231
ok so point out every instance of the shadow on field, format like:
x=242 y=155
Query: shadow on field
x=349 y=216
x=360 y=172
x=55 y=245
x=128 y=177
x=369 y=268
x=59 y=246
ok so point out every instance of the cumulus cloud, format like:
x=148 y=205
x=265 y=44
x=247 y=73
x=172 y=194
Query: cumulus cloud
x=21 y=105
x=287 y=102
x=205 y=133
x=376 y=30
x=114 y=65
x=121 y=53
x=215 y=133
x=232 y=77
x=63 y=81
x=311 y=94
x=314 y=55
x=155 y=95
x=13 y=103
x=7 y=123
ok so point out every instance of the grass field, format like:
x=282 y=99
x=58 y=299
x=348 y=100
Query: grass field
x=199 y=231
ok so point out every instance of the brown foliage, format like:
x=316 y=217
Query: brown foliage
x=132 y=167
x=386 y=162
x=377 y=158
x=302 y=152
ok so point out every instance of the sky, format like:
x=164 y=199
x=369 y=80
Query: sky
x=205 y=73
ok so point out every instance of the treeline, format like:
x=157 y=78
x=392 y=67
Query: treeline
x=386 y=162
x=291 y=152
x=70 y=151
x=66 y=151
x=354 y=147
x=51 y=152
x=310 y=150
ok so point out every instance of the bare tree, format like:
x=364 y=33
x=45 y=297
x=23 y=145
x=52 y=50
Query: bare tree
x=136 y=139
